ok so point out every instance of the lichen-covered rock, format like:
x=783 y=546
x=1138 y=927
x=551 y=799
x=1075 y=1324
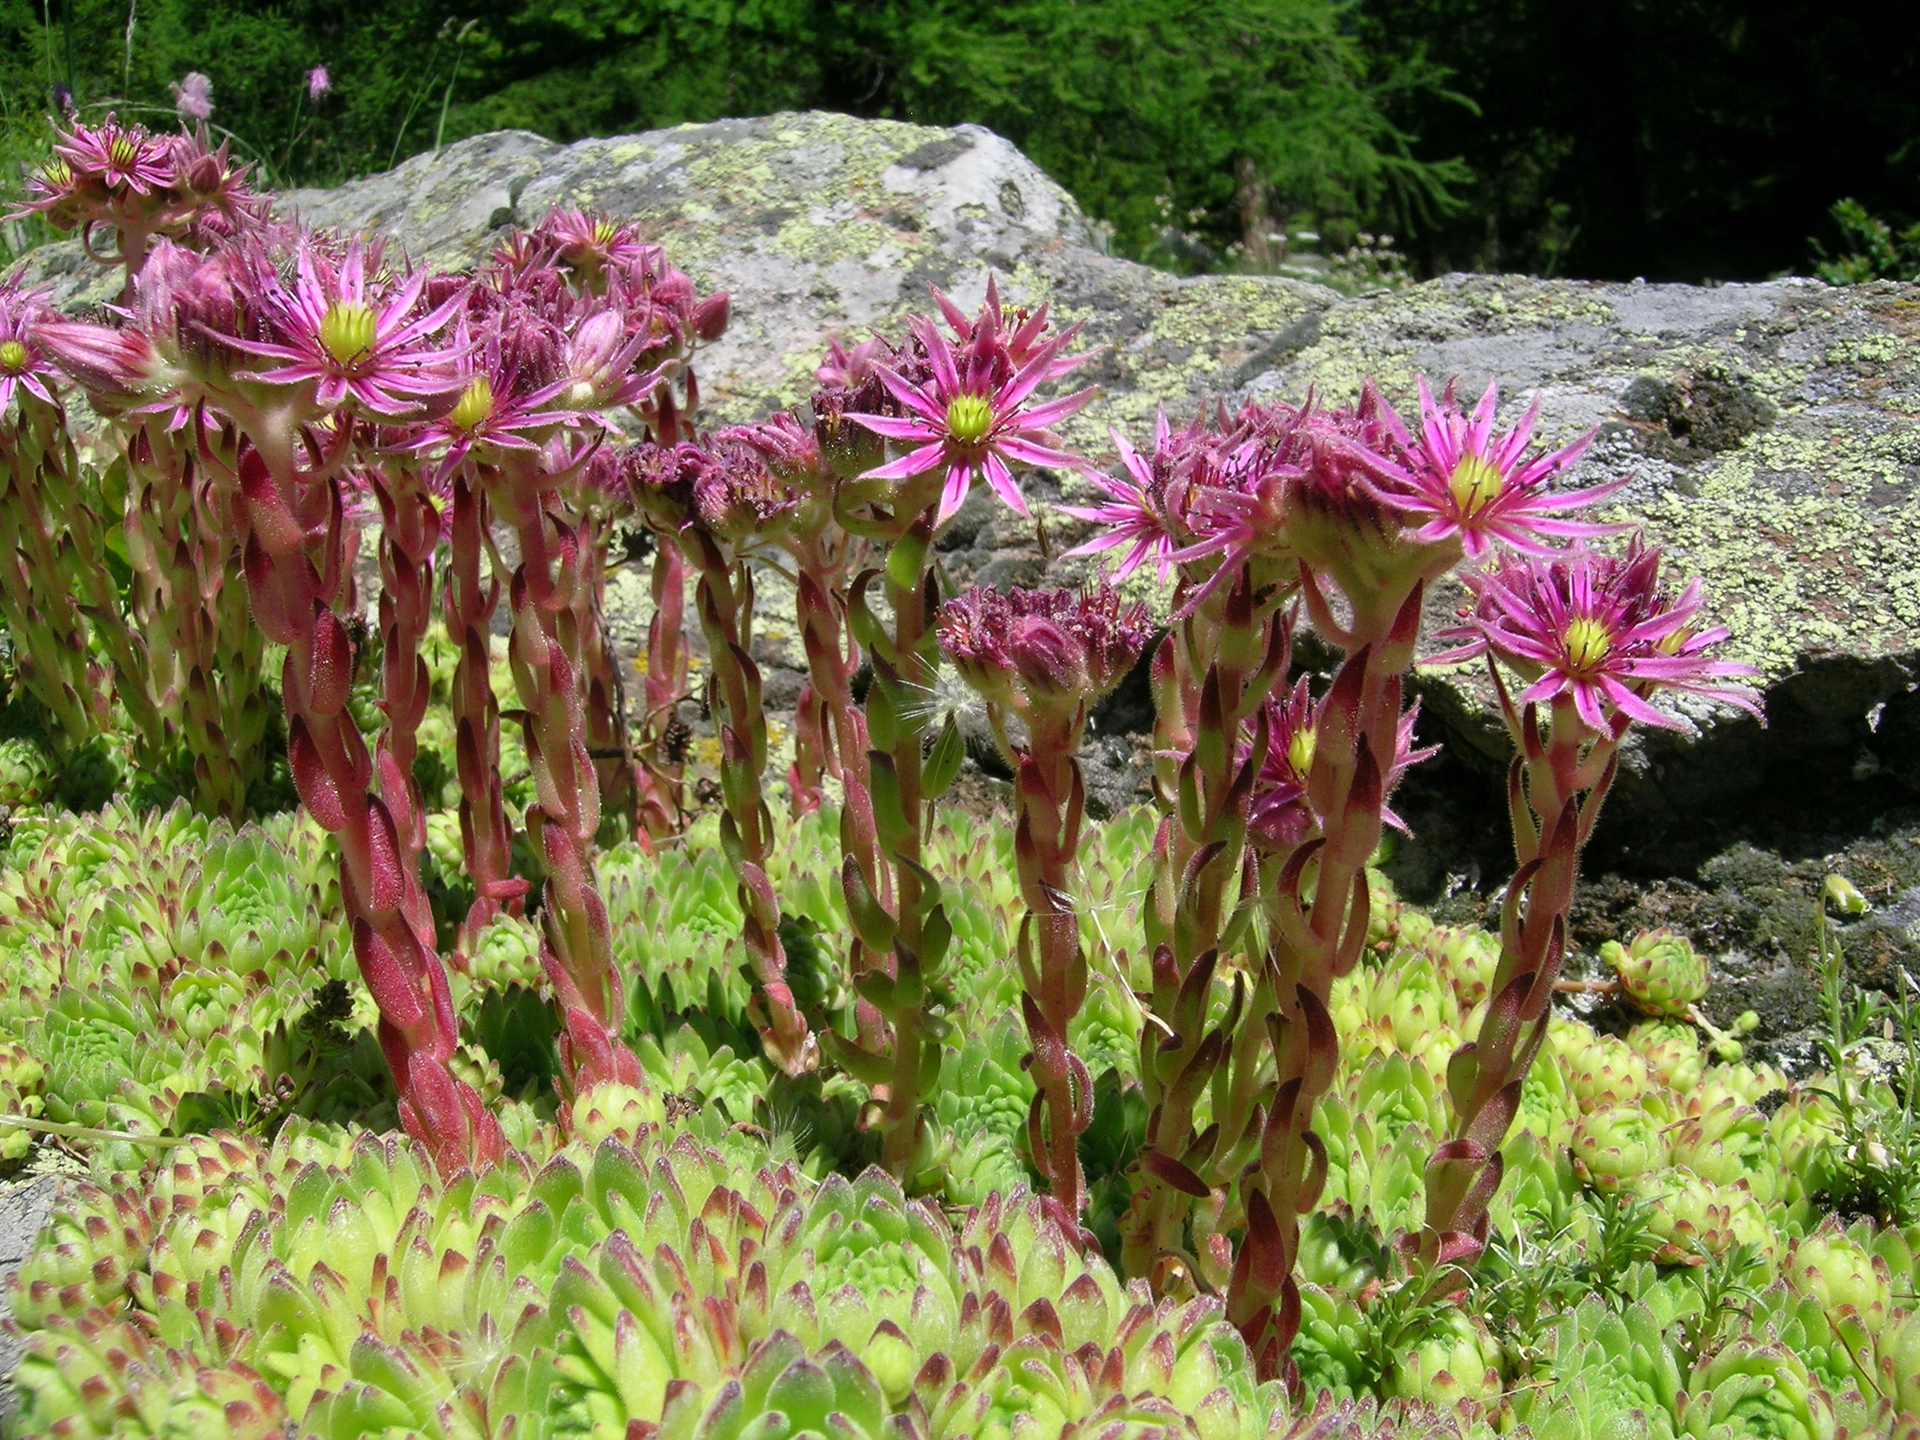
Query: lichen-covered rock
x=1769 y=427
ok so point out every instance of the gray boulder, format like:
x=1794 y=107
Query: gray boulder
x=1770 y=428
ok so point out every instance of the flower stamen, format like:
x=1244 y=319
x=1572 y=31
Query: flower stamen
x=969 y=418
x=1475 y=483
x=474 y=406
x=348 y=330
x=1588 y=642
x=1300 y=751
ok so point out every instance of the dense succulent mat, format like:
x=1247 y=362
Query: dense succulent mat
x=708 y=1255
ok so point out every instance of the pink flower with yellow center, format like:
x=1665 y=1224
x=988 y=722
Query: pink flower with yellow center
x=1601 y=630
x=118 y=156
x=23 y=366
x=1461 y=480
x=1279 y=814
x=1140 y=506
x=972 y=417
x=356 y=338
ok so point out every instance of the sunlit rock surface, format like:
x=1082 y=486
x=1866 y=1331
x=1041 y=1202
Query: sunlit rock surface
x=1771 y=428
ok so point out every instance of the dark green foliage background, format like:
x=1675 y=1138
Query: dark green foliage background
x=1677 y=139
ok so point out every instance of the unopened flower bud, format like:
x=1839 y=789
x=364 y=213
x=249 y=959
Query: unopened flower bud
x=710 y=316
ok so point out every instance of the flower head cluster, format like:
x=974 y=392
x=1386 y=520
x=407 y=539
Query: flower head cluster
x=723 y=486
x=1236 y=489
x=972 y=415
x=1029 y=649
x=1601 y=630
x=1328 y=485
x=128 y=179
x=598 y=259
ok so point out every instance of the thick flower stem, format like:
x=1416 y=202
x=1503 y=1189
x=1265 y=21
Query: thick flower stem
x=293 y=520
x=1050 y=800
x=833 y=657
x=468 y=606
x=1237 y=650
x=830 y=734
x=1556 y=785
x=661 y=751
x=606 y=698
x=725 y=600
x=577 y=950
x=1318 y=913
x=410 y=534
x=900 y=680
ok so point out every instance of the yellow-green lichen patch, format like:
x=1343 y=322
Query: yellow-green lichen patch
x=1805 y=541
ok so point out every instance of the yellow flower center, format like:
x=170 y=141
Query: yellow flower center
x=122 y=151
x=605 y=232
x=969 y=418
x=1475 y=483
x=347 y=330
x=57 y=174
x=13 y=357
x=1300 y=751
x=1587 y=642
x=474 y=406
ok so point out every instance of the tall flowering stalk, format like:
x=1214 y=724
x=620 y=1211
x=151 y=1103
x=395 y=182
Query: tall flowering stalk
x=411 y=532
x=960 y=404
x=468 y=602
x=339 y=341
x=1225 y=652
x=660 y=748
x=633 y=323
x=56 y=590
x=550 y=365
x=721 y=503
x=1040 y=659
x=1278 y=800
x=1592 y=637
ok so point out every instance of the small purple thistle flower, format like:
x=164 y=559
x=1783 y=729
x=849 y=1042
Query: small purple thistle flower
x=319 y=84
x=1465 y=482
x=971 y=417
x=193 y=96
x=1600 y=629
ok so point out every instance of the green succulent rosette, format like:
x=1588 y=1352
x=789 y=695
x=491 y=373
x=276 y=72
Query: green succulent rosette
x=1614 y=1146
x=1660 y=973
